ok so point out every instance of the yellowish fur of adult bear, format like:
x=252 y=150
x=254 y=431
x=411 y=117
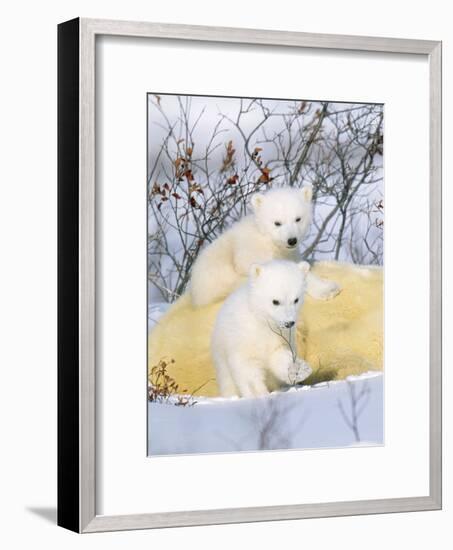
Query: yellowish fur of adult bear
x=337 y=337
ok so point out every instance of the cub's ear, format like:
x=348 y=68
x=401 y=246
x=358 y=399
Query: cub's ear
x=255 y=271
x=304 y=267
x=256 y=201
x=307 y=192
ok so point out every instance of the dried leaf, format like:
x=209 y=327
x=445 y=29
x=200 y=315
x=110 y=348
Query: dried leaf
x=195 y=188
x=228 y=159
x=188 y=174
x=156 y=190
x=302 y=107
x=265 y=175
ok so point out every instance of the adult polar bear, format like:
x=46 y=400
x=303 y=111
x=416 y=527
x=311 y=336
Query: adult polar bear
x=253 y=342
x=280 y=220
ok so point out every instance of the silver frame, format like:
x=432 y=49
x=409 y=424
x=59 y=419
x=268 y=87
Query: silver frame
x=89 y=29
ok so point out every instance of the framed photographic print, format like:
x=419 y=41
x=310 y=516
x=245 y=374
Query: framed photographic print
x=234 y=184
x=249 y=275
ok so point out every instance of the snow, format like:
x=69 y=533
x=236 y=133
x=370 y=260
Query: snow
x=302 y=418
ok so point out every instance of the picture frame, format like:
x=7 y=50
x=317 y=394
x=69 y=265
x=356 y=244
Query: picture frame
x=77 y=274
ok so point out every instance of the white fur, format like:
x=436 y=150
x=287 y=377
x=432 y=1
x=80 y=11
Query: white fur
x=248 y=346
x=224 y=264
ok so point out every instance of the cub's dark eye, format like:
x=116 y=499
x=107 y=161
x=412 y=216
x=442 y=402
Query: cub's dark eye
x=297 y=219
x=278 y=224
x=296 y=300
x=276 y=302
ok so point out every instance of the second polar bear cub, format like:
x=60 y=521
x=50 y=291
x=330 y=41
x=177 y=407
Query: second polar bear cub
x=279 y=221
x=253 y=343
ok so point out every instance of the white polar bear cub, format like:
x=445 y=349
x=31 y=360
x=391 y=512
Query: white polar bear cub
x=253 y=342
x=279 y=222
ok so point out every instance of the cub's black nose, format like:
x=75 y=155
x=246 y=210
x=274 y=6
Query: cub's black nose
x=289 y=324
x=292 y=241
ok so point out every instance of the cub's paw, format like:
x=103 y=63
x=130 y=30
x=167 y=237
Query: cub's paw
x=299 y=371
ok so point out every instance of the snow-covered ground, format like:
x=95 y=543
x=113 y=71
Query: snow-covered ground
x=331 y=414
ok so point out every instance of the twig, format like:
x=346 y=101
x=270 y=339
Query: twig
x=358 y=402
x=286 y=340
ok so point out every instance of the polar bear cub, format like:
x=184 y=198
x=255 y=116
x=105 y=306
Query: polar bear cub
x=253 y=344
x=279 y=222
